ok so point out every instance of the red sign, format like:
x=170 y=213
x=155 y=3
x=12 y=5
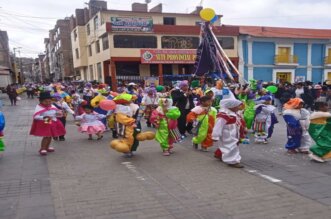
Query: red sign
x=168 y=56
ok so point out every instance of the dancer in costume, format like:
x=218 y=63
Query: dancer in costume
x=149 y=102
x=204 y=116
x=220 y=93
x=227 y=132
x=2 y=126
x=297 y=121
x=90 y=123
x=125 y=116
x=320 y=131
x=45 y=123
x=248 y=95
x=265 y=119
x=164 y=118
x=63 y=107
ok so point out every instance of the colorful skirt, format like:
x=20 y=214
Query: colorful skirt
x=41 y=129
x=92 y=129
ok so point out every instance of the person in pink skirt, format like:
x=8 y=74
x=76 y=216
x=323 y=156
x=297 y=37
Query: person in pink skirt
x=90 y=123
x=45 y=123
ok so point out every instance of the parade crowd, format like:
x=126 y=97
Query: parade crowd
x=213 y=112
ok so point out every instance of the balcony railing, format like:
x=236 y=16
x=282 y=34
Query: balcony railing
x=286 y=59
x=327 y=60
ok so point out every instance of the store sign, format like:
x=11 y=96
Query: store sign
x=131 y=24
x=168 y=56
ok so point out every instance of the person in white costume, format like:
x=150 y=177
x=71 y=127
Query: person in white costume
x=226 y=132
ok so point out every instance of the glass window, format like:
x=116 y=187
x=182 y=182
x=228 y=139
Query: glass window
x=97 y=46
x=99 y=70
x=90 y=50
x=130 y=41
x=77 y=53
x=105 y=42
x=75 y=35
x=127 y=68
x=179 y=42
x=88 y=30
x=91 y=72
x=169 y=21
x=226 y=42
x=96 y=22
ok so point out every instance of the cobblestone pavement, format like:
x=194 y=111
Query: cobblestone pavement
x=88 y=180
x=25 y=190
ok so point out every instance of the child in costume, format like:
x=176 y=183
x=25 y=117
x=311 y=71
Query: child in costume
x=264 y=120
x=226 y=132
x=90 y=123
x=61 y=105
x=320 y=131
x=164 y=118
x=297 y=121
x=45 y=123
x=205 y=115
x=125 y=116
x=2 y=126
x=149 y=101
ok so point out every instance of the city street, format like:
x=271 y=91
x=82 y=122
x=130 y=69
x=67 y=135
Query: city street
x=87 y=179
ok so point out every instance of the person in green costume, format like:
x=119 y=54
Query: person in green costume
x=247 y=96
x=205 y=116
x=164 y=118
x=319 y=130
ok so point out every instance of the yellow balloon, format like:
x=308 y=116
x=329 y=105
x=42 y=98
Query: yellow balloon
x=207 y=14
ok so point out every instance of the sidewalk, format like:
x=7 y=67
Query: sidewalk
x=24 y=180
x=89 y=180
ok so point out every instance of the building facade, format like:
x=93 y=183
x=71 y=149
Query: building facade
x=109 y=45
x=58 y=51
x=7 y=75
x=285 y=54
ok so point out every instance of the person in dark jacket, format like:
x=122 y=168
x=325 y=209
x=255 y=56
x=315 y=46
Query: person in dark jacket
x=12 y=94
x=183 y=99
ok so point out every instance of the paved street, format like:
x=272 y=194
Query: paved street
x=85 y=179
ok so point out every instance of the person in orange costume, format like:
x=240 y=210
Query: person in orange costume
x=205 y=115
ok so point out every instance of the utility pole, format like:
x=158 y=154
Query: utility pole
x=21 y=68
x=17 y=75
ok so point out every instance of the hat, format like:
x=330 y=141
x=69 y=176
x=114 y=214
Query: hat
x=57 y=96
x=293 y=103
x=132 y=84
x=183 y=83
x=317 y=87
x=45 y=95
x=159 y=88
x=230 y=103
x=195 y=84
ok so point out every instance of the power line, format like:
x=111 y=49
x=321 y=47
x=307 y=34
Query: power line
x=28 y=16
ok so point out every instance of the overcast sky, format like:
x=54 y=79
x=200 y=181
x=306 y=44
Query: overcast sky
x=28 y=21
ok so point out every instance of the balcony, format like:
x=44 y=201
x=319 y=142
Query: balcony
x=286 y=60
x=327 y=61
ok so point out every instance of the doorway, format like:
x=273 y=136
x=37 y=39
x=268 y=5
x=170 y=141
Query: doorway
x=283 y=77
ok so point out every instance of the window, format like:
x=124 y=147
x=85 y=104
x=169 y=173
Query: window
x=169 y=21
x=97 y=46
x=226 y=42
x=77 y=53
x=105 y=42
x=179 y=42
x=90 y=50
x=96 y=22
x=154 y=69
x=75 y=35
x=59 y=43
x=88 y=30
x=91 y=72
x=130 y=41
x=127 y=68
x=99 y=71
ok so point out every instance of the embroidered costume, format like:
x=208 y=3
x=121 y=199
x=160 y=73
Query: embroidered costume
x=320 y=131
x=164 y=118
x=90 y=123
x=206 y=120
x=45 y=122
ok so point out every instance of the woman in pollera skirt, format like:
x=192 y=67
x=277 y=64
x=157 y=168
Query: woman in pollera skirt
x=45 y=123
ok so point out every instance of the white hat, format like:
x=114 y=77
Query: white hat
x=230 y=103
x=132 y=84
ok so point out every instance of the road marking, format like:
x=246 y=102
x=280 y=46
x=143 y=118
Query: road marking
x=269 y=178
x=132 y=168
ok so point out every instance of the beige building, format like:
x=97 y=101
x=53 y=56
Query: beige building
x=110 y=45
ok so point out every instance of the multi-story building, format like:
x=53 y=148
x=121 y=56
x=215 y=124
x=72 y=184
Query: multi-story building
x=108 y=45
x=7 y=76
x=59 y=51
x=285 y=54
x=46 y=60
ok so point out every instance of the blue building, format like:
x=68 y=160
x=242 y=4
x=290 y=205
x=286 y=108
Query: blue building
x=284 y=54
